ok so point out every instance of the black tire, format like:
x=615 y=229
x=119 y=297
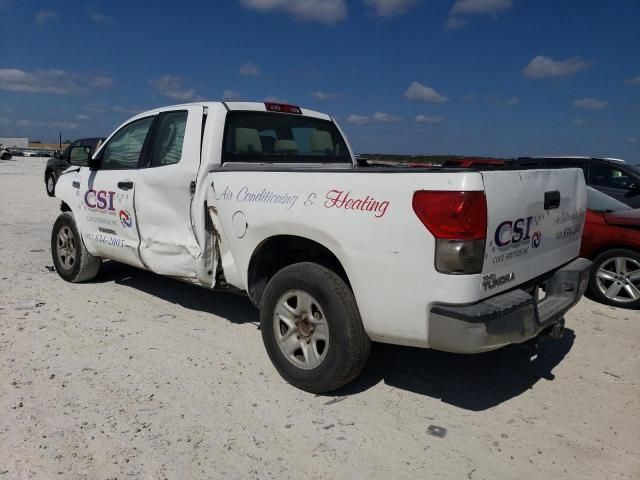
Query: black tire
x=607 y=259
x=79 y=267
x=6 y=156
x=348 y=345
x=50 y=183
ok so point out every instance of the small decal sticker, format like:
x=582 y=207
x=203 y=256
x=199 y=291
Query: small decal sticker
x=125 y=219
x=491 y=281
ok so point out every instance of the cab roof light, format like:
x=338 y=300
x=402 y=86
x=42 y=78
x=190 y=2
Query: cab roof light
x=282 y=108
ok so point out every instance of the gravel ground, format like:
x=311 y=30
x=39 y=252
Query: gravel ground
x=136 y=376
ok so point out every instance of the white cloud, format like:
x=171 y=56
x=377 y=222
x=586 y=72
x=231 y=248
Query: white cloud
x=385 y=118
x=62 y=125
x=465 y=8
x=633 y=140
x=358 y=119
x=231 y=96
x=455 y=23
x=171 y=86
x=30 y=124
x=53 y=81
x=249 y=70
x=590 y=103
x=474 y=7
x=421 y=93
x=377 y=117
x=579 y=122
x=507 y=102
x=430 y=120
x=98 y=17
x=45 y=16
x=128 y=111
x=82 y=116
x=541 y=67
x=101 y=81
x=323 y=11
x=389 y=8
x=323 y=96
x=633 y=81
x=274 y=99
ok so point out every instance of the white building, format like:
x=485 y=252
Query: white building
x=17 y=142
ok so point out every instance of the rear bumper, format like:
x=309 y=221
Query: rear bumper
x=511 y=317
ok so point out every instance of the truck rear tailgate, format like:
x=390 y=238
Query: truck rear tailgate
x=535 y=222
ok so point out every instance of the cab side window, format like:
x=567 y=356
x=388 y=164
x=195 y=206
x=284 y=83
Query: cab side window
x=169 y=139
x=123 y=150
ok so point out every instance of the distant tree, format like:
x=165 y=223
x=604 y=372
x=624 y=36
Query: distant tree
x=67 y=141
x=36 y=141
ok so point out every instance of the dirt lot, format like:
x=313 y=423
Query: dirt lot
x=135 y=376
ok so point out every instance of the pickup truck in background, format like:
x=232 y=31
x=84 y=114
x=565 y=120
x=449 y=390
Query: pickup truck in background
x=267 y=199
x=60 y=162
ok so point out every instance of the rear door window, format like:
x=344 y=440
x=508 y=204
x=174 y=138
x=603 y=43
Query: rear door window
x=265 y=137
x=169 y=138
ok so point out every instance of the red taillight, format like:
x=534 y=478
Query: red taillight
x=452 y=215
x=282 y=108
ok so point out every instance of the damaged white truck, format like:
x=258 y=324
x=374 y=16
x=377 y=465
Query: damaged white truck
x=268 y=199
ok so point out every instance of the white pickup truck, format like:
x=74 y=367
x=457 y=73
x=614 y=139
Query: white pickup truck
x=267 y=199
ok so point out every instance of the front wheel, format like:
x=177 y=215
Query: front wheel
x=311 y=328
x=51 y=184
x=72 y=260
x=6 y=156
x=615 y=278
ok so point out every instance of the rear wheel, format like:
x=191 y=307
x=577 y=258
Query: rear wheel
x=312 y=329
x=6 y=156
x=51 y=184
x=72 y=260
x=615 y=278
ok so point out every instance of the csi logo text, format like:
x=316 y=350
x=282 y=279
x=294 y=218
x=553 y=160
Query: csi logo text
x=513 y=232
x=99 y=200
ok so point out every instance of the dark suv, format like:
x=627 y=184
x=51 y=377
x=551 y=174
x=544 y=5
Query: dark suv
x=59 y=162
x=616 y=178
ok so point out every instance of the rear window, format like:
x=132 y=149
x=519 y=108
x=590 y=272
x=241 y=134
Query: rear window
x=264 y=137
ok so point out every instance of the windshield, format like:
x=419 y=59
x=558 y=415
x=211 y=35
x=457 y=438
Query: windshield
x=600 y=202
x=282 y=138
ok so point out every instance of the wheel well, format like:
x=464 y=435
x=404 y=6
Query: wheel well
x=601 y=250
x=275 y=253
x=64 y=207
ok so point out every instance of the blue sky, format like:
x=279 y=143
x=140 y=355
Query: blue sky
x=472 y=77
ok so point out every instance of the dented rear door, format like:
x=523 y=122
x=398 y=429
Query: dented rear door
x=164 y=193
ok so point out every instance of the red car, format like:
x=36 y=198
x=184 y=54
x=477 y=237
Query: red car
x=611 y=239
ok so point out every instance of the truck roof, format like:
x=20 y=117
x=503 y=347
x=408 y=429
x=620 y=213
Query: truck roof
x=250 y=106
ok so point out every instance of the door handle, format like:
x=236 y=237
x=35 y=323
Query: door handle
x=551 y=200
x=127 y=185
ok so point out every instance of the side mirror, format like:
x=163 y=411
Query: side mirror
x=79 y=156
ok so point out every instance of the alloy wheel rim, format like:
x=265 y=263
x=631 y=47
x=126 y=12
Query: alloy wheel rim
x=50 y=184
x=66 y=250
x=618 y=279
x=301 y=329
